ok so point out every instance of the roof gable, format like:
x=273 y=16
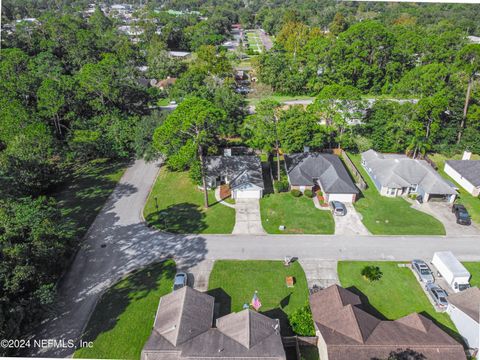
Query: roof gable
x=183 y=314
x=247 y=327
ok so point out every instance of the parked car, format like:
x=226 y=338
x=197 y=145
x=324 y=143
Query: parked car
x=338 y=208
x=180 y=281
x=438 y=295
x=462 y=215
x=423 y=271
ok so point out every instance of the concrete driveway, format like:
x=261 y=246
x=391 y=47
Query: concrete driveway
x=443 y=212
x=321 y=273
x=119 y=242
x=351 y=223
x=247 y=217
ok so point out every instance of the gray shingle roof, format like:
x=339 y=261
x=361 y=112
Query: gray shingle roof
x=469 y=169
x=304 y=168
x=397 y=171
x=351 y=333
x=468 y=301
x=183 y=330
x=241 y=169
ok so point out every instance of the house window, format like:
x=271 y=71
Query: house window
x=391 y=191
x=413 y=188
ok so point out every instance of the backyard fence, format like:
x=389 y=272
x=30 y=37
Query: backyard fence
x=354 y=171
x=297 y=341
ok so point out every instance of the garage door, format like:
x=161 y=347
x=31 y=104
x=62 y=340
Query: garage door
x=248 y=194
x=346 y=198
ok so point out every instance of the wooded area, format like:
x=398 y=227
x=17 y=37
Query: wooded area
x=392 y=77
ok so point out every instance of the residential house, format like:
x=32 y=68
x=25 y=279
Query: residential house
x=397 y=175
x=326 y=171
x=183 y=330
x=243 y=173
x=464 y=310
x=165 y=83
x=179 y=54
x=346 y=331
x=466 y=173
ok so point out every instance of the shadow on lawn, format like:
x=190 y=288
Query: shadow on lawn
x=366 y=304
x=183 y=218
x=277 y=313
x=449 y=331
x=223 y=302
x=115 y=301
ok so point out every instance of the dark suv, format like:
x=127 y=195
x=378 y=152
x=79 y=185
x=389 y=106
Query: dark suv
x=463 y=218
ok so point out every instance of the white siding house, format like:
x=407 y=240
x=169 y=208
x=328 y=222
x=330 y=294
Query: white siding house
x=398 y=175
x=466 y=173
x=463 y=308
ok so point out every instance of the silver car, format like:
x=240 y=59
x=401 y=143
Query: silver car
x=180 y=281
x=438 y=295
x=423 y=271
x=338 y=208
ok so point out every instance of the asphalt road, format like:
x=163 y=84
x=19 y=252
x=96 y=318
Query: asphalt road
x=119 y=242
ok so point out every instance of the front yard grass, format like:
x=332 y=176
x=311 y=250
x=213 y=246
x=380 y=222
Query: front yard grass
x=85 y=191
x=122 y=320
x=474 y=270
x=395 y=295
x=234 y=282
x=472 y=203
x=391 y=216
x=181 y=210
x=299 y=215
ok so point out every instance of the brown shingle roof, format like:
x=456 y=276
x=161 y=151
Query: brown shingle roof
x=183 y=330
x=248 y=327
x=352 y=333
x=468 y=301
x=184 y=314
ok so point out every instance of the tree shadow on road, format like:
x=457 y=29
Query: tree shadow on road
x=137 y=286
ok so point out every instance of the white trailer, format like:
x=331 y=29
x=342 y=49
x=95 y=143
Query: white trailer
x=451 y=270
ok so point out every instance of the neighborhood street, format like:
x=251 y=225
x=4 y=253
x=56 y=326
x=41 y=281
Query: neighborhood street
x=119 y=242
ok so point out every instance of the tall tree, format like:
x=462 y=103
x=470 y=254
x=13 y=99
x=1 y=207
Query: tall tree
x=261 y=130
x=187 y=133
x=470 y=56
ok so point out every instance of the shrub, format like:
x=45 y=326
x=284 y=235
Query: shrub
x=296 y=193
x=308 y=193
x=281 y=185
x=372 y=273
x=301 y=321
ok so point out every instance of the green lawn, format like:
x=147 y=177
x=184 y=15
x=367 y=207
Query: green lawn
x=395 y=295
x=122 y=320
x=180 y=207
x=299 y=215
x=86 y=189
x=391 y=216
x=234 y=282
x=474 y=269
x=472 y=203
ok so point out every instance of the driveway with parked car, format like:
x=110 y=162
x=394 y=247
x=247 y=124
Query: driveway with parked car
x=350 y=223
x=443 y=212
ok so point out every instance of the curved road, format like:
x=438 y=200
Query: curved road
x=119 y=242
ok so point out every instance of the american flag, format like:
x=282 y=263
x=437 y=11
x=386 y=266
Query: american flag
x=256 y=304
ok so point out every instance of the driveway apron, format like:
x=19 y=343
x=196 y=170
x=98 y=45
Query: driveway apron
x=247 y=217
